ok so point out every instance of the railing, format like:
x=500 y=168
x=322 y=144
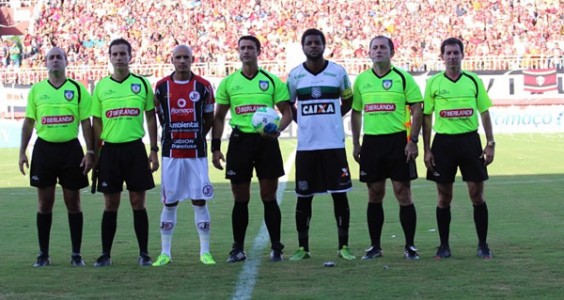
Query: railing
x=26 y=76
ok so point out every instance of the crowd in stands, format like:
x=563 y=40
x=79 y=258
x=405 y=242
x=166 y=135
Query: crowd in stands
x=489 y=28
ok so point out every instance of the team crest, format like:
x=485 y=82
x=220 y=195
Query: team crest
x=135 y=88
x=540 y=80
x=194 y=96
x=263 y=85
x=387 y=84
x=69 y=95
x=208 y=190
x=315 y=92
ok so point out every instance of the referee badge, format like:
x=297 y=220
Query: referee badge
x=315 y=92
x=135 y=88
x=69 y=95
x=263 y=85
x=387 y=84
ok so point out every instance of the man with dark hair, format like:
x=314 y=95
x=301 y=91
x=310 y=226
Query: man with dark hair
x=242 y=93
x=56 y=107
x=119 y=101
x=320 y=93
x=455 y=98
x=391 y=101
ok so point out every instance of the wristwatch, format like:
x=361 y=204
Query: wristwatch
x=414 y=139
x=491 y=143
x=156 y=149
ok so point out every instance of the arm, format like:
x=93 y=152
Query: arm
x=346 y=105
x=411 y=149
x=152 y=128
x=208 y=122
x=217 y=131
x=356 y=124
x=88 y=135
x=428 y=155
x=287 y=114
x=488 y=153
x=27 y=131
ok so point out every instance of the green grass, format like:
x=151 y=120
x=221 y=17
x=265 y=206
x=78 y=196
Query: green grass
x=524 y=196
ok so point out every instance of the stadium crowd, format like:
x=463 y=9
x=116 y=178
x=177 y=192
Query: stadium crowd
x=490 y=28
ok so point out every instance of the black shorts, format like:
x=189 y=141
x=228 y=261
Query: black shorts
x=121 y=162
x=458 y=150
x=52 y=161
x=383 y=156
x=322 y=171
x=250 y=150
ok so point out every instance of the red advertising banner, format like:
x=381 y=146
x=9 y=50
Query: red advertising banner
x=539 y=80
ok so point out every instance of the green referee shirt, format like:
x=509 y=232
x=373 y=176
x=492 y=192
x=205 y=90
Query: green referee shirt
x=385 y=100
x=244 y=95
x=120 y=105
x=456 y=104
x=58 y=111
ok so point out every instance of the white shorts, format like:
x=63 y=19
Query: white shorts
x=185 y=178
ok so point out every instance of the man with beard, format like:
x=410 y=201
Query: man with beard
x=321 y=93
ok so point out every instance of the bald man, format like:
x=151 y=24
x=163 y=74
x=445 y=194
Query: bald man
x=185 y=105
x=56 y=107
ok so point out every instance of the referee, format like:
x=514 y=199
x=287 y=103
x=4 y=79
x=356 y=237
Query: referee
x=455 y=98
x=119 y=102
x=55 y=107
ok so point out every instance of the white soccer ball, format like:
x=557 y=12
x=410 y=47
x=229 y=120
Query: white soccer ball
x=266 y=120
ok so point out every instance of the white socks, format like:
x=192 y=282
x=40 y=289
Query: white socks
x=168 y=222
x=202 y=221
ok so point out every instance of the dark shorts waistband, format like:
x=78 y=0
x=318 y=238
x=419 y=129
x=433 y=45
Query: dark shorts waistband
x=465 y=134
x=40 y=140
x=123 y=144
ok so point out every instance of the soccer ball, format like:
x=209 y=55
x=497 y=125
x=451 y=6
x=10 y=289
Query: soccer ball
x=266 y=120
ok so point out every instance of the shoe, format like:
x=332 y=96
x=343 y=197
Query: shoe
x=276 y=255
x=163 y=259
x=411 y=253
x=300 y=254
x=345 y=253
x=443 y=252
x=485 y=252
x=236 y=255
x=103 y=261
x=144 y=260
x=207 y=259
x=372 y=253
x=42 y=260
x=76 y=260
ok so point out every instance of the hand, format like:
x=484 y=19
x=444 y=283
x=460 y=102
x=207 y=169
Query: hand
x=217 y=158
x=86 y=163
x=411 y=151
x=23 y=161
x=153 y=161
x=488 y=155
x=356 y=152
x=429 y=160
x=271 y=131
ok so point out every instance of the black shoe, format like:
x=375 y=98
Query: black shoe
x=411 y=253
x=236 y=255
x=144 y=260
x=372 y=253
x=76 y=260
x=485 y=252
x=103 y=261
x=443 y=252
x=276 y=255
x=42 y=260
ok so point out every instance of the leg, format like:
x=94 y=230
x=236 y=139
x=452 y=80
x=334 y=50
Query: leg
x=202 y=222
x=168 y=222
x=342 y=216
x=140 y=220
x=76 y=219
x=272 y=216
x=375 y=211
x=239 y=220
x=408 y=216
x=476 y=192
x=109 y=221
x=443 y=218
x=303 y=217
x=44 y=219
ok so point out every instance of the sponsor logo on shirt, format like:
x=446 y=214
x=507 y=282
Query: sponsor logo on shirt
x=178 y=111
x=457 y=113
x=374 y=107
x=122 y=112
x=57 y=120
x=247 y=109
x=318 y=109
x=185 y=125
